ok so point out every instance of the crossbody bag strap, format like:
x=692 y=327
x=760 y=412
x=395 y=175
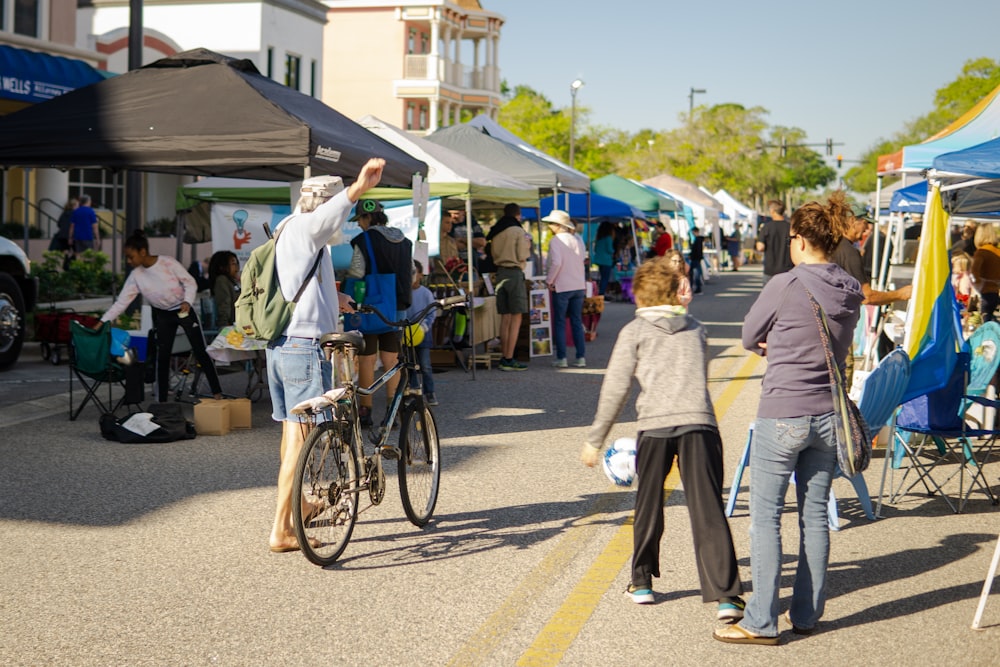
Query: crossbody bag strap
x=824 y=335
x=312 y=271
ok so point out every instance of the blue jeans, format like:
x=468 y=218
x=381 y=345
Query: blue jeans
x=571 y=304
x=805 y=446
x=696 y=278
x=605 y=277
x=424 y=359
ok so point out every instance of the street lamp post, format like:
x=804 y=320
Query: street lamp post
x=694 y=91
x=573 y=87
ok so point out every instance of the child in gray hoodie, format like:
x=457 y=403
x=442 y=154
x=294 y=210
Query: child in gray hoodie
x=664 y=349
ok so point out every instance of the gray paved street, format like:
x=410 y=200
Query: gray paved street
x=157 y=554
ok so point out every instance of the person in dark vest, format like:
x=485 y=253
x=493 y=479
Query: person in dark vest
x=393 y=254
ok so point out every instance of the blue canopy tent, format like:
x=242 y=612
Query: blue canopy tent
x=600 y=207
x=971 y=180
x=911 y=199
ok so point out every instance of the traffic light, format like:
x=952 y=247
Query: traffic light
x=840 y=159
x=829 y=146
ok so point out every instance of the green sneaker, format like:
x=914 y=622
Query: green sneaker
x=512 y=365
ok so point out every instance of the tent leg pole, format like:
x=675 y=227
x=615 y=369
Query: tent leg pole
x=471 y=325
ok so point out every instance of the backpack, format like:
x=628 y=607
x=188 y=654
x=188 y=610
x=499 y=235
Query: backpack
x=261 y=310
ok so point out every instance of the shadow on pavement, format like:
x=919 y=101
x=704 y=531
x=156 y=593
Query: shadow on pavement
x=466 y=533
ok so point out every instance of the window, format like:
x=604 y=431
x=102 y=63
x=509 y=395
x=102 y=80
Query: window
x=26 y=17
x=100 y=185
x=425 y=43
x=293 y=71
x=410 y=111
x=312 y=78
x=411 y=42
x=423 y=118
x=270 y=62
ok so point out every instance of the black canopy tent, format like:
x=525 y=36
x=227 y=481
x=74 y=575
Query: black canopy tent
x=198 y=113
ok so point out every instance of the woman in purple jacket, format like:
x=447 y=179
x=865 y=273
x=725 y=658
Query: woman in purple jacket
x=794 y=429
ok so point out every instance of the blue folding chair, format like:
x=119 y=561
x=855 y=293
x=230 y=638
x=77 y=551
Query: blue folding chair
x=880 y=396
x=929 y=428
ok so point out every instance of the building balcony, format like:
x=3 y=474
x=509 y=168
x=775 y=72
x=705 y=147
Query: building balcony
x=427 y=69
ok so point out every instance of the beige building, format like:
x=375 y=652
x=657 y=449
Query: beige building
x=416 y=64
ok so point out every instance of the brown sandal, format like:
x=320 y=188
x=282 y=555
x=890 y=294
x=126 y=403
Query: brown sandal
x=737 y=634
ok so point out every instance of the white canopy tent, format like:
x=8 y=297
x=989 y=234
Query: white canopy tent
x=737 y=210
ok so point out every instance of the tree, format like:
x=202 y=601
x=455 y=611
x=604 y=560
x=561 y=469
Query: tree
x=979 y=77
x=724 y=146
x=530 y=115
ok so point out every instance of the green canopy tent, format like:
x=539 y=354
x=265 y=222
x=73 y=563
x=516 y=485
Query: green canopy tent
x=642 y=198
x=635 y=194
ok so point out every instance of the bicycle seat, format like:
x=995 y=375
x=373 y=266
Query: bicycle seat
x=338 y=339
x=316 y=405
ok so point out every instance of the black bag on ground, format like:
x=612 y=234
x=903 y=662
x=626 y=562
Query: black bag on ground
x=168 y=418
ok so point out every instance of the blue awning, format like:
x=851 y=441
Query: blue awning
x=29 y=76
x=911 y=199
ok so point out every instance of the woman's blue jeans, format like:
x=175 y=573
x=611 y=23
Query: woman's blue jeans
x=571 y=304
x=605 y=277
x=804 y=446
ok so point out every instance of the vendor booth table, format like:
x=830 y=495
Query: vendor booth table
x=230 y=347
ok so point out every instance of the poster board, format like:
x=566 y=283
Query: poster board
x=540 y=323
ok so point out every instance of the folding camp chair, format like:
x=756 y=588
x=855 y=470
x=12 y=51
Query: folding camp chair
x=933 y=430
x=880 y=396
x=92 y=364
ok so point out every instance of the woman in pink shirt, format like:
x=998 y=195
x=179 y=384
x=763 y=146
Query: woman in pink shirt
x=168 y=288
x=567 y=278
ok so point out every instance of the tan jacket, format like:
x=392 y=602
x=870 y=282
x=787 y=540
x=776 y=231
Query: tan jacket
x=511 y=248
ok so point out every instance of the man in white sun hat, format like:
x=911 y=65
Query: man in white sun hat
x=321 y=212
x=566 y=273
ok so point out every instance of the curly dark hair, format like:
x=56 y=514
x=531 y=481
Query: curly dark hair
x=823 y=224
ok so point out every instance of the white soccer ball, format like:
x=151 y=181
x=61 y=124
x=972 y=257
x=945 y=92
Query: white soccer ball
x=619 y=461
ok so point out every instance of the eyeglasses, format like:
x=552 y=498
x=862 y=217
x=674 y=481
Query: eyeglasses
x=793 y=237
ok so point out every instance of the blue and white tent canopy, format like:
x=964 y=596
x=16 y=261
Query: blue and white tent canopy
x=911 y=199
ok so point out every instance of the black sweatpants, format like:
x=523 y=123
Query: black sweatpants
x=165 y=323
x=699 y=455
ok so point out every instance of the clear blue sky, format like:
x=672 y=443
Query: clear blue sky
x=851 y=70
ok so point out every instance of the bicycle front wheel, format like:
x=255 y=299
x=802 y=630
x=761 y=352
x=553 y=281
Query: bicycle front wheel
x=326 y=480
x=419 y=463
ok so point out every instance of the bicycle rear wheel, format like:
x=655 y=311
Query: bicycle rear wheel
x=326 y=481
x=419 y=463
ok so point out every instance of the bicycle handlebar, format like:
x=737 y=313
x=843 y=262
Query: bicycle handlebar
x=443 y=304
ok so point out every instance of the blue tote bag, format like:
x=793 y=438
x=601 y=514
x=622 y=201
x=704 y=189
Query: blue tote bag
x=379 y=292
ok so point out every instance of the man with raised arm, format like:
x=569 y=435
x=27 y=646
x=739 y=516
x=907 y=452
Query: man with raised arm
x=323 y=208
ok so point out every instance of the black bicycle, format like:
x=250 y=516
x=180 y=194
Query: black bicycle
x=336 y=466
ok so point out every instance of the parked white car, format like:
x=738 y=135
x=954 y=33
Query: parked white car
x=18 y=294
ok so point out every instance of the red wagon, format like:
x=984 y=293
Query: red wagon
x=52 y=330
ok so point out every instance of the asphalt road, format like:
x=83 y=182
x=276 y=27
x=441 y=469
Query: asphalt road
x=157 y=554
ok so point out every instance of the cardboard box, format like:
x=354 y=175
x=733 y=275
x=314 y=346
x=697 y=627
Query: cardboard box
x=211 y=417
x=442 y=358
x=239 y=413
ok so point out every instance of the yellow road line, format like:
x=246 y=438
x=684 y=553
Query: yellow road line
x=489 y=635
x=562 y=629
